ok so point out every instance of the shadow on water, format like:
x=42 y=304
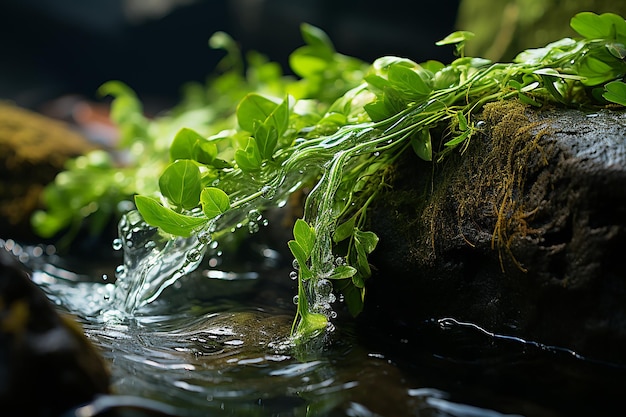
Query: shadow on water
x=215 y=343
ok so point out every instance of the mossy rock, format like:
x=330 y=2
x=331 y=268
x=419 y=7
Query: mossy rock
x=33 y=149
x=521 y=234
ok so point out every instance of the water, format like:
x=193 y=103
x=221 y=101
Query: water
x=216 y=343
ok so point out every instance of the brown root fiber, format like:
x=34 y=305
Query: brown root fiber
x=521 y=233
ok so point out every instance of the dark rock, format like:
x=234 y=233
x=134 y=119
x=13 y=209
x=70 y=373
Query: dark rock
x=522 y=234
x=47 y=366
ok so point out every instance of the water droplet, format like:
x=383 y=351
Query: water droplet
x=204 y=237
x=293 y=275
x=120 y=271
x=295 y=264
x=324 y=288
x=214 y=244
x=194 y=255
x=295 y=299
x=268 y=192
x=254 y=215
x=117 y=244
x=253 y=227
x=339 y=261
x=150 y=244
x=333 y=314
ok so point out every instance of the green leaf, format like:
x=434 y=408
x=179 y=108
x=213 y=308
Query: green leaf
x=316 y=38
x=301 y=256
x=183 y=144
x=214 y=202
x=181 y=183
x=266 y=139
x=455 y=37
x=305 y=236
x=411 y=82
x=205 y=152
x=422 y=144
x=605 y=26
x=344 y=230
x=254 y=108
x=166 y=219
x=342 y=272
x=249 y=159
x=615 y=92
x=368 y=240
x=189 y=144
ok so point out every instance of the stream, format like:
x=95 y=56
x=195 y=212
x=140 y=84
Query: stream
x=215 y=342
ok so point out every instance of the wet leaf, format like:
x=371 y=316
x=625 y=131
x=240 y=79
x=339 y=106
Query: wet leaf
x=181 y=183
x=214 y=202
x=166 y=219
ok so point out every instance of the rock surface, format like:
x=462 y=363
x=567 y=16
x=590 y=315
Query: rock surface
x=47 y=366
x=521 y=235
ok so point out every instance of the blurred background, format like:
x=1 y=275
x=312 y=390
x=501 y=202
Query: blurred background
x=50 y=48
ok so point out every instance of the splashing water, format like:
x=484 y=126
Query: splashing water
x=152 y=262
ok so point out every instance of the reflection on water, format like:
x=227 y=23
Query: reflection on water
x=215 y=343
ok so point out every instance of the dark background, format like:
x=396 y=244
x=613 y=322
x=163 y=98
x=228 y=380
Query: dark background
x=51 y=48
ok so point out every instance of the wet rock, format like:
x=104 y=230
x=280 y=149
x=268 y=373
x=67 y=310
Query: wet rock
x=33 y=149
x=522 y=234
x=47 y=366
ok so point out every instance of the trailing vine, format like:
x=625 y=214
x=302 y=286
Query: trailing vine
x=338 y=129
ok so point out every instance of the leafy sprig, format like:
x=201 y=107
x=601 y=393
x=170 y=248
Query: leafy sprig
x=342 y=126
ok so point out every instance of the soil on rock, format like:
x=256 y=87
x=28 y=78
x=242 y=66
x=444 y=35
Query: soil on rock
x=521 y=234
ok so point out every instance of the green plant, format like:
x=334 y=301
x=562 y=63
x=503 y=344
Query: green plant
x=343 y=143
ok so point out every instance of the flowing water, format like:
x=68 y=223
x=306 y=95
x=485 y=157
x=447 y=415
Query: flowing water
x=215 y=342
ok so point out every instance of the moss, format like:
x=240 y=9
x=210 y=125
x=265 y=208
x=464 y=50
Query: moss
x=33 y=149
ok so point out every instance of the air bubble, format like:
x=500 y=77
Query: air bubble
x=339 y=261
x=117 y=244
x=293 y=275
x=120 y=271
x=295 y=299
x=324 y=288
x=295 y=264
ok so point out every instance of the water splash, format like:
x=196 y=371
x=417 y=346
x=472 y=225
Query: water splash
x=152 y=262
